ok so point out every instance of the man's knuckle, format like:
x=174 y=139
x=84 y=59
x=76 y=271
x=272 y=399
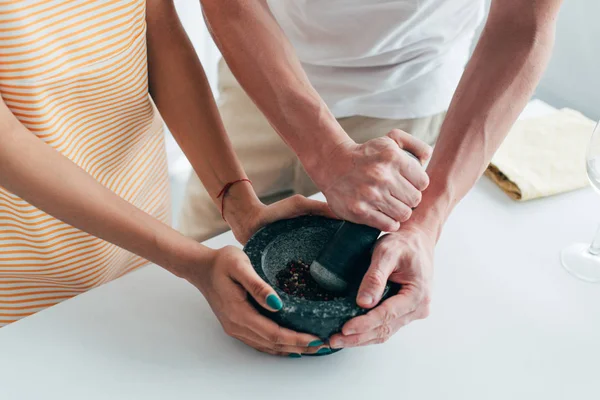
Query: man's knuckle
x=352 y=341
x=358 y=209
x=404 y=214
x=404 y=164
x=391 y=226
x=428 y=150
x=378 y=172
x=386 y=246
x=389 y=154
x=372 y=193
x=422 y=181
x=416 y=198
x=384 y=332
x=388 y=316
x=399 y=135
x=380 y=340
x=376 y=278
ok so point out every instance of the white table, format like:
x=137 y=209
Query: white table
x=507 y=323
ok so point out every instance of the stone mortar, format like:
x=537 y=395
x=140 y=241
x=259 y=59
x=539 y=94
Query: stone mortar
x=273 y=247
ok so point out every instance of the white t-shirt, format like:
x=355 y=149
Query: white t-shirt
x=382 y=58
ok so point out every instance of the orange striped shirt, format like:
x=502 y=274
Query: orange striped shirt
x=74 y=72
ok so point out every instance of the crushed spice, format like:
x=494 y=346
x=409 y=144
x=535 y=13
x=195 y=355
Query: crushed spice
x=295 y=280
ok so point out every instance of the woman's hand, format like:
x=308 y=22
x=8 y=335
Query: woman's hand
x=225 y=283
x=246 y=214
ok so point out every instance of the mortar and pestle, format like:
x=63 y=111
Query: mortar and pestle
x=339 y=253
x=273 y=247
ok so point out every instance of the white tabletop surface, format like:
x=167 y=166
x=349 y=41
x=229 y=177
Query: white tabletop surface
x=507 y=322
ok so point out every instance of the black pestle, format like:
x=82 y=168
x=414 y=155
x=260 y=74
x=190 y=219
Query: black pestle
x=343 y=262
x=345 y=259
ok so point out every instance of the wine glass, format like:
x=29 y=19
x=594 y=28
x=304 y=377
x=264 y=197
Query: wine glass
x=582 y=259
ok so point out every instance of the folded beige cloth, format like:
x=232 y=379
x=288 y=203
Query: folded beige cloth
x=543 y=156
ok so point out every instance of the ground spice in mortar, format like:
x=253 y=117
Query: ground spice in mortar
x=295 y=279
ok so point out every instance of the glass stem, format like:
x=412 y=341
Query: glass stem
x=595 y=246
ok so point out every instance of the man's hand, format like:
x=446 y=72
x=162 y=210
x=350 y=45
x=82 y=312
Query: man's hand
x=404 y=257
x=375 y=183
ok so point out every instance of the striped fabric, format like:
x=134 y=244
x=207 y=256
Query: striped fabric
x=74 y=73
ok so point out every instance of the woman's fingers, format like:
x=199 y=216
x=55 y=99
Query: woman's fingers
x=273 y=333
x=261 y=347
x=296 y=206
x=266 y=334
x=244 y=274
x=242 y=321
x=258 y=342
x=315 y=207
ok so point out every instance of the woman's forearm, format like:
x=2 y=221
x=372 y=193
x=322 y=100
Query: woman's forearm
x=500 y=78
x=183 y=96
x=49 y=181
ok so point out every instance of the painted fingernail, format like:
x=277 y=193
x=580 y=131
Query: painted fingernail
x=324 y=350
x=316 y=343
x=295 y=355
x=364 y=298
x=274 y=302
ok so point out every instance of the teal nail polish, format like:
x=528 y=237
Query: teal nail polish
x=316 y=343
x=324 y=350
x=274 y=302
x=294 y=355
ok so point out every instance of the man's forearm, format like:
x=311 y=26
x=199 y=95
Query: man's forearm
x=498 y=81
x=266 y=66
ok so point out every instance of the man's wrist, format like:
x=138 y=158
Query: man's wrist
x=314 y=134
x=322 y=165
x=433 y=211
x=322 y=150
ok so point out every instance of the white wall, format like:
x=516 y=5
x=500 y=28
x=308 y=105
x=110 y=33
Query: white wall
x=573 y=75
x=179 y=168
x=191 y=18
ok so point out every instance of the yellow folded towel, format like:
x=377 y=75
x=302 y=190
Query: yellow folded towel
x=543 y=156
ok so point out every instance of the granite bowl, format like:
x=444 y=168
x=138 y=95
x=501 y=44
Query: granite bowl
x=273 y=247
